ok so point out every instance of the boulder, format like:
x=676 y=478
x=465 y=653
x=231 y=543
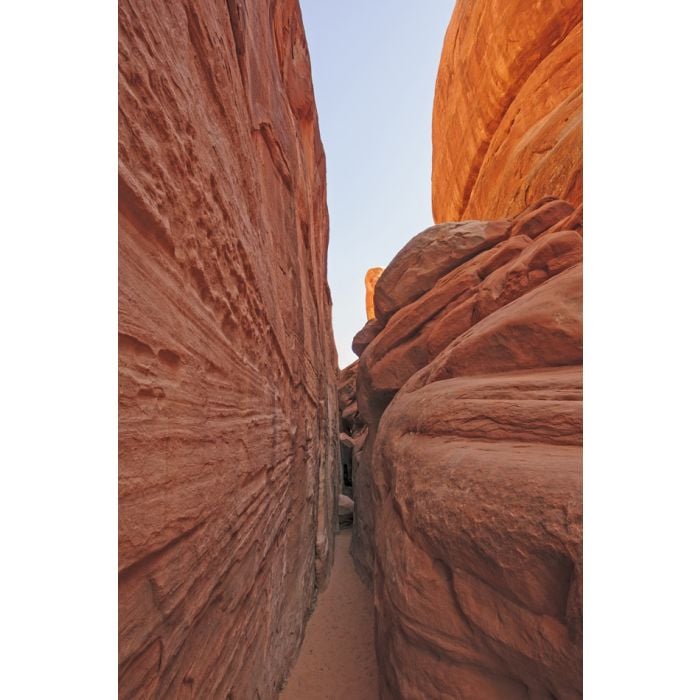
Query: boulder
x=365 y=336
x=478 y=568
x=428 y=256
x=346 y=508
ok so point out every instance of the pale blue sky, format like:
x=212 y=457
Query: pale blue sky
x=374 y=65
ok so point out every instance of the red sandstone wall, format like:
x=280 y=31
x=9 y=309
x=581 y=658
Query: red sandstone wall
x=468 y=403
x=466 y=432
x=507 y=116
x=227 y=390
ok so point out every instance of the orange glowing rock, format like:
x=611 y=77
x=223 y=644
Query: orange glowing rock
x=507 y=117
x=370 y=281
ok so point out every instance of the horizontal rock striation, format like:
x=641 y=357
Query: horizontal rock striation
x=507 y=116
x=228 y=447
x=468 y=485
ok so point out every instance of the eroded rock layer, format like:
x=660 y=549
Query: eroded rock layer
x=228 y=447
x=507 y=117
x=468 y=483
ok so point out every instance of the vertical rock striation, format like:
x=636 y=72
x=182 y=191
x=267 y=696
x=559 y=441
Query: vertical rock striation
x=228 y=478
x=507 y=117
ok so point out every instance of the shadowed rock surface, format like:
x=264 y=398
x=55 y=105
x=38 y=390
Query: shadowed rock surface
x=507 y=117
x=468 y=519
x=228 y=446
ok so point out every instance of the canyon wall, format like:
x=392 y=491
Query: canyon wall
x=228 y=441
x=466 y=449
x=507 y=117
x=464 y=421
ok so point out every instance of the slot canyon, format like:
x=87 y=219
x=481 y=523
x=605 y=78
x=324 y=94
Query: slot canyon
x=408 y=526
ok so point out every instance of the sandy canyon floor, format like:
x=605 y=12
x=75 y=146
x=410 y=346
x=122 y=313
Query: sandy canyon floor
x=337 y=658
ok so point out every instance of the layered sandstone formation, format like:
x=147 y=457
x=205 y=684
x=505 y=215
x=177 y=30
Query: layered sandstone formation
x=507 y=117
x=467 y=481
x=227 y=389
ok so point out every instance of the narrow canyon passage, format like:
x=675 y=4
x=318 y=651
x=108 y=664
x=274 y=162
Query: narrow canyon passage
x=453 y=440
x=337 y=658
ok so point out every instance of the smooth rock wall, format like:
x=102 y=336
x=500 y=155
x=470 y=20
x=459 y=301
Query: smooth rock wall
x=507 y=116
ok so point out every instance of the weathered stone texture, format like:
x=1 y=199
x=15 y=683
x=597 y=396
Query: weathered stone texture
x=228 y=447
x=468 y=519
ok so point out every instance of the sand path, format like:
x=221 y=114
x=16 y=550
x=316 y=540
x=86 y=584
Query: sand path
x=337 y=660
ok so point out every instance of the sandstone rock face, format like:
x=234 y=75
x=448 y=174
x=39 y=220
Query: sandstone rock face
x=426 y=258
x=348 y=420
x=365 y=336
x=228 y=480
x=507 y=116
x=468 y=516
x=355 y=458
x=371 y=278
x=479 y=537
